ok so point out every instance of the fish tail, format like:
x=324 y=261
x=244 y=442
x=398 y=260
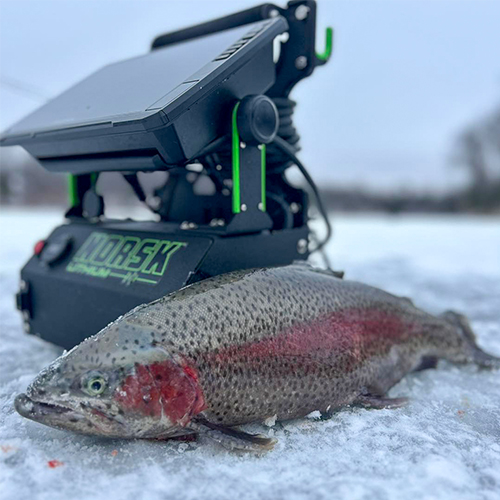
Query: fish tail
x=473 y=353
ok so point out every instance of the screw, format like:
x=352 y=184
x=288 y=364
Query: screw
x=242 y=145
x=301 y=62
x=217 y=223
x=243 y=207
x=273 y=13
x=218 y=167
x=294 y=208
x=302 y=246
x=260 y=206
x=301 y=12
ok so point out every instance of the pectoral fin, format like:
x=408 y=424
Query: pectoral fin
x=231 y=438
x=379 y=402
x=428 y=362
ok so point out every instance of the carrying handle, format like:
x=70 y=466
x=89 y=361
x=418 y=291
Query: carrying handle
x=324 y=56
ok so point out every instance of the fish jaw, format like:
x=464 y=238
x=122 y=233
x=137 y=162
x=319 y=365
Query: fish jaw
x=82 y=419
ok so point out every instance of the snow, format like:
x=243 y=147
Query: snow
x=445 y=444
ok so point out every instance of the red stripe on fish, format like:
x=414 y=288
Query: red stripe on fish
x=162 y=387
x=349 y=332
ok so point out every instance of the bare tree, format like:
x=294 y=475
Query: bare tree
x=472 y=156
x=479 y=151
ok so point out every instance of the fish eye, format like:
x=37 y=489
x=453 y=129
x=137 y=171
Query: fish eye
x=95 y=385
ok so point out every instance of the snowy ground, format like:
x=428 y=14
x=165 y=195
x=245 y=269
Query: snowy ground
x=445 y=444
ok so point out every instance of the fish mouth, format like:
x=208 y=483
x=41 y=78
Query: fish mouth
x=38 y=410
x=84 y=419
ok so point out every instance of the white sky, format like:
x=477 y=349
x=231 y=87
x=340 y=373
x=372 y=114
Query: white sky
x=405 y=76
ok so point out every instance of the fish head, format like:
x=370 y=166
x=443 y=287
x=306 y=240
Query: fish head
x=120 y=383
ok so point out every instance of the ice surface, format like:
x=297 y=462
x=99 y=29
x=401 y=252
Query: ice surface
x=445 y=444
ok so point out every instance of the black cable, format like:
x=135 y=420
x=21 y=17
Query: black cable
x=275 y=161
x=280 y=155
x=290 y=153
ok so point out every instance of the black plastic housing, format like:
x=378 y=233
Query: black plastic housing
x=145 y=114
x=171 y=130
x=66 y=299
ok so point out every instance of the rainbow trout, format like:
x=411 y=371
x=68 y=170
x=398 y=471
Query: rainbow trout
x=244 y=347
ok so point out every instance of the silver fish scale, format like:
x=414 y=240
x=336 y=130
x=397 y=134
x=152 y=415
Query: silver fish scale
x=247 y=306
x=219 y=314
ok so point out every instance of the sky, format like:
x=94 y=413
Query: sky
x=405 y=78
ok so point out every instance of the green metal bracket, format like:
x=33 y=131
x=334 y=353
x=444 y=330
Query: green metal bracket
x=263 y=176
x=72 y=191
x=324 y=56
x=236 y=162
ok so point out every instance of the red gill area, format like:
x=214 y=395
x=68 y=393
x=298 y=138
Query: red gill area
x=350 y=331
x=162 y=387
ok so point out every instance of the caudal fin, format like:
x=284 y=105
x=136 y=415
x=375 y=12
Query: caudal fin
x=475 y=355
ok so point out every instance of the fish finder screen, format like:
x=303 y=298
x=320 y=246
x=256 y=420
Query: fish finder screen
x=127 y=89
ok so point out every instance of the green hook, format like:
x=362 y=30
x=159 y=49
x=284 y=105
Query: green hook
x=324 y=56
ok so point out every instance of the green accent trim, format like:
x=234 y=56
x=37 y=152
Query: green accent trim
x=117 y=275
x=263 y=176
x=324 y=56
x=236 y=162
x=72 y=190
x=144 y=280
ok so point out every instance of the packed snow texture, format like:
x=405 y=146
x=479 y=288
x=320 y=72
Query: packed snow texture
x=445 y=444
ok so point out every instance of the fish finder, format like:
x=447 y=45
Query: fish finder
x=208 y=103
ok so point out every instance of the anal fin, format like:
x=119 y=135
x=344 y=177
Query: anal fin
x=377 y=402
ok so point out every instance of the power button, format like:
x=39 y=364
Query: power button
x=55 y=249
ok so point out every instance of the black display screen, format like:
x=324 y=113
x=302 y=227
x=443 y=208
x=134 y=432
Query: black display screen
x=130 y=89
